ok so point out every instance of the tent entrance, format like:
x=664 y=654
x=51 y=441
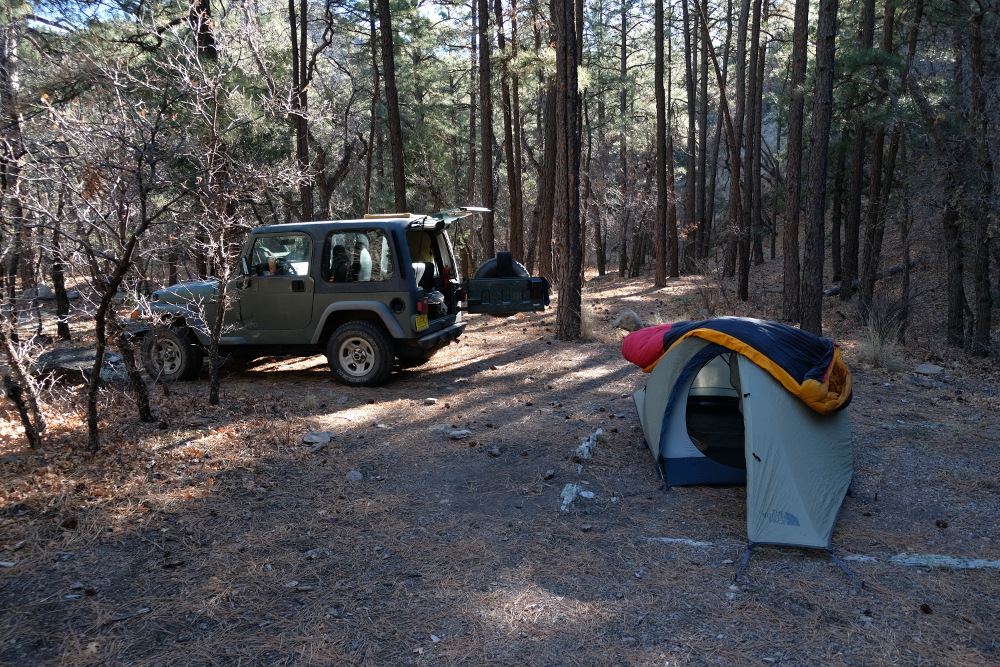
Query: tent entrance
x=714 y=419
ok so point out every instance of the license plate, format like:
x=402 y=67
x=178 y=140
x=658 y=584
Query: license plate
x=421 y=322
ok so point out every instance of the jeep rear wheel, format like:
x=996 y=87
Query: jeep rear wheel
x=171 y=353
x=360 y=354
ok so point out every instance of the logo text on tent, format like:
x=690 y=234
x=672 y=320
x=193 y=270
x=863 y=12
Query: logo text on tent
x=782 y=517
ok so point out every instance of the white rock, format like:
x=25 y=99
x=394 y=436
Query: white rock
x=928 y=369
x=629 y=321
x=39 y=291
x=460 y=434
x=318 y=437
x=354 y=476
x=568 y=495
x=430 y=401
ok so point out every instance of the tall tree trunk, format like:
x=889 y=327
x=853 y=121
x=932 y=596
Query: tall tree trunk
x=473 y=109
x=751 y=222
x=597 y=215
x=298 y=25
x=568 y=315
x=793 y=167
x=623 y=160
x=981 y=190
x=546 y=193
x=19 y=387
x=704 y=229
x=737 y=225
x=588 y=182
x=486 y=127
x=837 y=211
x=511 y=139
x=200 y=20
x=660 y=224
x=673 y=240
x=376 y=98
x=704 y=241
x=689 y=222
x=392 y=106
x=819 y=143
x=879 y=185
x=852 y=220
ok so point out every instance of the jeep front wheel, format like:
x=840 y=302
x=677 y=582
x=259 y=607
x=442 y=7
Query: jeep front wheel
x=360 y=354
x=171 y=353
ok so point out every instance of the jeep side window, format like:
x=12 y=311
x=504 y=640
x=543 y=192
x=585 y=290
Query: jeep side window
x=357 y=256
x=280 y=256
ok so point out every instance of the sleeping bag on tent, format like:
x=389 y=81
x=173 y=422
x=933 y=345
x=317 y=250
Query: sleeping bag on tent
x=738 y=400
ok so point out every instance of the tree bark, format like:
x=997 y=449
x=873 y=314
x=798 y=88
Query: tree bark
x=660 y=224
x=568 y=315
x=737 y=227
x=689 y=222
x=623 y=157
x=511 y=138
x=793 y=165
x=376 y=96
x=392 y=106
x=852 y=219
x=486 y=127
x=819 y=143
x=297 y=23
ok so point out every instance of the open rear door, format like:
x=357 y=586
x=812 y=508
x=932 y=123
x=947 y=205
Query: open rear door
x=502 y=286
x=499 y=296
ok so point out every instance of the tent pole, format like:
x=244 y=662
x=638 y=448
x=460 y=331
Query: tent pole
x=847 y=570
x=744 y=562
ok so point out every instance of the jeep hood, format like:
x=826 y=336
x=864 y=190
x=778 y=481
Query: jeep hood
x=195 y=290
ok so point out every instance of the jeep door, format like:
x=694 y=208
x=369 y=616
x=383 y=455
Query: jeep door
x=278 y=295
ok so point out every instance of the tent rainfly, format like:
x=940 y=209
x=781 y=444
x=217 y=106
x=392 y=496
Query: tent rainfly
x=737 y=400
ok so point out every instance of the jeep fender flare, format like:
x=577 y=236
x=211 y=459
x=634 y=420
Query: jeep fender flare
x=174 y=312
x=378 y=309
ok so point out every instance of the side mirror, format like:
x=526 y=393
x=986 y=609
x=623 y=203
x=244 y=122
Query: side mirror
x=244 y=266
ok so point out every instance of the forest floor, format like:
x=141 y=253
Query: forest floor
x=219 y=536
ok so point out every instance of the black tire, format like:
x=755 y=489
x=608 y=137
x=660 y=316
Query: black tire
x=172 y=353
x=360 y=354
x=490 y=269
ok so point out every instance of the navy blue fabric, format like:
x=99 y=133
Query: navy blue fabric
x=702 y=470
x=801 y=354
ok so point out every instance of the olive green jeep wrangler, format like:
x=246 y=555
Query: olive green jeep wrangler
x=370 y=293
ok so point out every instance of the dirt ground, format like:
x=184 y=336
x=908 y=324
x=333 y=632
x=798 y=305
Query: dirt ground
x=218 y=536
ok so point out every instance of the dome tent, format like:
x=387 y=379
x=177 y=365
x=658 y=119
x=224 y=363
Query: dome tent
x=739 y=400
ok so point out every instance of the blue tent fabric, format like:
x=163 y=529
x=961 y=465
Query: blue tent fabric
x=810 y=367
x=802 y=355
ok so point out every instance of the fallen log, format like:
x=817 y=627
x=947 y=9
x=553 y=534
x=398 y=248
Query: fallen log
x=835 y=290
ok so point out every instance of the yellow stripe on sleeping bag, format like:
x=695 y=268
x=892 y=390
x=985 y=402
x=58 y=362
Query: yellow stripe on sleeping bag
x=823 y=397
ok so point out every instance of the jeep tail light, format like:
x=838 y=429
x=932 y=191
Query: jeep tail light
x=463 y=295
x=422 y=307
x=447 y=275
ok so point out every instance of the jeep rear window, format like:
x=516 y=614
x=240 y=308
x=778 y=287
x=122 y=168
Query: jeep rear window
x=362 y=255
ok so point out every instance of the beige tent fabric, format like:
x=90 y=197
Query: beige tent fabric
x=799 y=462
